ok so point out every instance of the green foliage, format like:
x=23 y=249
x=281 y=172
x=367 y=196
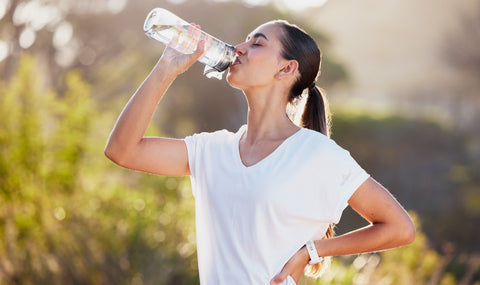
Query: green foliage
x=429 y=169
x=425 y=165
x=70 y=217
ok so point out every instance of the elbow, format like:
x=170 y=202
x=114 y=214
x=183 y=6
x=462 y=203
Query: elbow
x=406 y=235
x=113 y=154
x=411 y=233
x=399 y=233
x=109 y=153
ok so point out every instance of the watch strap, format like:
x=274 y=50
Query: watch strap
x=312 y=251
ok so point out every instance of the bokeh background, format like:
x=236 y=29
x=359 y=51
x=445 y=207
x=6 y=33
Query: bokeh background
x=403 y=78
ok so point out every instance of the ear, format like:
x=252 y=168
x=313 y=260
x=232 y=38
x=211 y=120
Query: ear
x=288 y=69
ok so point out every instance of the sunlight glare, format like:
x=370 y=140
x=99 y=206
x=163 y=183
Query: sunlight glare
x=253 y=3
x=27 y=38
x=65 y=56
x=299 y=5
x=4 y=4
x=175 y=2
x=19 y=16
x=59 y=213
x=36 y=15
x=63 y=34
x=116 y=6
x=3 y=50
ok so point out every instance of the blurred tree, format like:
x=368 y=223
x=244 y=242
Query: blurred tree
x=460 y=52
x=68 y=217
x=426 y=166
x=429 y=169
x=50 y=30
x=454 y=98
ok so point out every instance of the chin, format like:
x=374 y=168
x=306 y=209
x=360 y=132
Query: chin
x=232 y=79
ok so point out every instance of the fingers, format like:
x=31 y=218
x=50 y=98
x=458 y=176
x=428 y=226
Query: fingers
x=294 y=267
x=279 y=278
x=198 y=42
x=190 y=38
x=186 y=47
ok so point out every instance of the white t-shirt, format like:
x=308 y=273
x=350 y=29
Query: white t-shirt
x=251 y=220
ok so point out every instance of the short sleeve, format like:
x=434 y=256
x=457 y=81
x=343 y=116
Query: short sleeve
x=191 y=142
x=204 y=150
x=344 y=177
x=194 y=147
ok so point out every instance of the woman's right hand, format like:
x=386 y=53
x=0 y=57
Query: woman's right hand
x=178 y=62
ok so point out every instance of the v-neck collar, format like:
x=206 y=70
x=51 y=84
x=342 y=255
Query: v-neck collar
x=278 y=149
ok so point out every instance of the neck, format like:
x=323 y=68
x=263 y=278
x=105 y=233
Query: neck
x=267 y=117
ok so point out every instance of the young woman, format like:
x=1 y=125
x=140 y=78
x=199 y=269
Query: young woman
x=267 y=195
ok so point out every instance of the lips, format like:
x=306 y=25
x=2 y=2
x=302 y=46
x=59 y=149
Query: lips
x=237 y=61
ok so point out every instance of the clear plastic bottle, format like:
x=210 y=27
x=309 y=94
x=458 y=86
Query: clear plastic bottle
x=163 y=26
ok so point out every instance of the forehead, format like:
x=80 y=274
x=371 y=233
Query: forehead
x=270 y=31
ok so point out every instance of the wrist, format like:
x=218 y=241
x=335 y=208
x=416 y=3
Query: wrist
x=303 y=255
x=314 y=258
x=165 y=70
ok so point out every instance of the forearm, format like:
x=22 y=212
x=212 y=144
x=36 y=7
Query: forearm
x=375 y=237
x=137 y=114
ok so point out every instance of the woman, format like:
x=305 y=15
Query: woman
x=265 y=192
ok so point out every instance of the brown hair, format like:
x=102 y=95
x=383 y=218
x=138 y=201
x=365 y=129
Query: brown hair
x=299 y=46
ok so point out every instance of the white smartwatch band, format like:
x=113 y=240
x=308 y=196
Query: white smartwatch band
x=312 y=251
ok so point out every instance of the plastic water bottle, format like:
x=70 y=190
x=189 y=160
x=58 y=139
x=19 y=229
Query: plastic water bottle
x=163 y=26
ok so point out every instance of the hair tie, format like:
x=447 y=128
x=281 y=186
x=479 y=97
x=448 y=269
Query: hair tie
x=311 y=86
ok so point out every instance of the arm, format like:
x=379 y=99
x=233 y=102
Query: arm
x=127 y=145
x=390 y=226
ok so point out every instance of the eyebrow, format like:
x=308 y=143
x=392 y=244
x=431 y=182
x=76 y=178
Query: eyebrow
x=257 y=35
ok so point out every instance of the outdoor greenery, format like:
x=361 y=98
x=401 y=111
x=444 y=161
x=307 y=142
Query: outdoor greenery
x=70 y=216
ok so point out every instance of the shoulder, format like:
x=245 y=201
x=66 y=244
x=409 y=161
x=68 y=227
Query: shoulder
x=212 y=137
x=336 y=163
x=317 y=140
x=319 y=144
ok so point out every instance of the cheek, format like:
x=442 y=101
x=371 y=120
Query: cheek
x=259 y=68
x=265 y=66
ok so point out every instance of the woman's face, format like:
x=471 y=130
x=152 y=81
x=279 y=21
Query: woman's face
x=259 y=58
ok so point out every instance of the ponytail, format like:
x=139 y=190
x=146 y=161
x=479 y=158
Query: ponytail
x=316 y=116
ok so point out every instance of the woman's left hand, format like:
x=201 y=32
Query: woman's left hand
x=294 y=267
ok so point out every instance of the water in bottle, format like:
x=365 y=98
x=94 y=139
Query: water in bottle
x=164 y=26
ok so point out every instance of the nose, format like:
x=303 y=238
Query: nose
x=240 y=48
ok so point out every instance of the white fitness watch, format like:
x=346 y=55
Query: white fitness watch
x=312 y=251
